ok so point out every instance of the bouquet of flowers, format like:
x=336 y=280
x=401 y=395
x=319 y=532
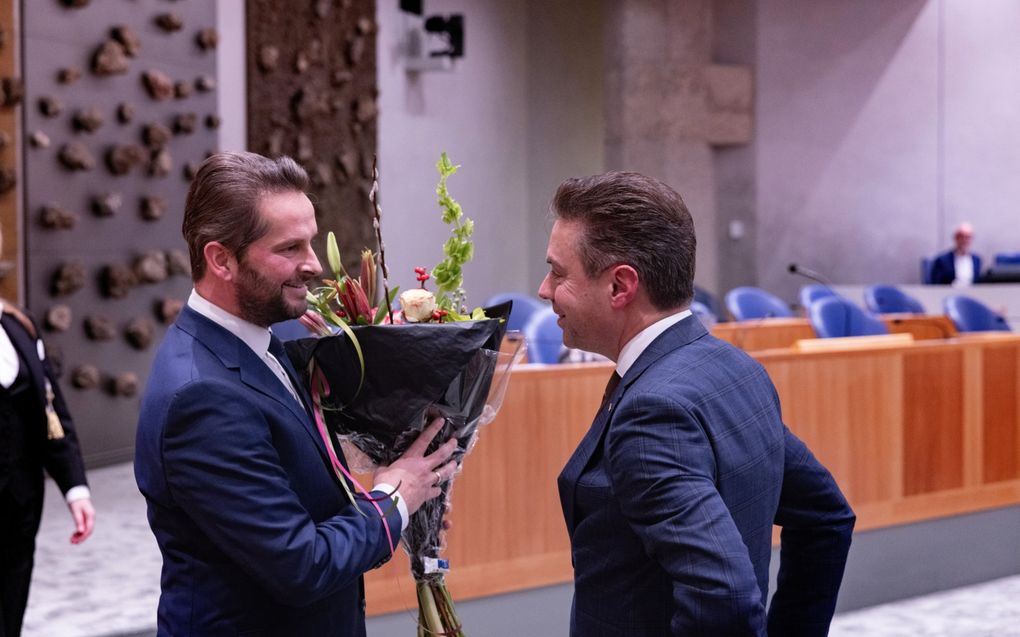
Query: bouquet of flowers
x=378 y=376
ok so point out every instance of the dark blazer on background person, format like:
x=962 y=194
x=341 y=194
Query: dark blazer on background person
x=26 y=450
x=670 y=497
x=256 y=534
x=943 y=268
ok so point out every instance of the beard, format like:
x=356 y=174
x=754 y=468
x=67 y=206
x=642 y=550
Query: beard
x=262 y=301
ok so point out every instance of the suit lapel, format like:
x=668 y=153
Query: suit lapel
x=678 y=335
x=253 y=372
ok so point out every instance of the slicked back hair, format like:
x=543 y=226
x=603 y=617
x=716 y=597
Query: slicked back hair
x=629 y=218
x=222 y=202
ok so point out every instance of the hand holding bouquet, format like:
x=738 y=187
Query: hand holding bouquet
x=387 y=373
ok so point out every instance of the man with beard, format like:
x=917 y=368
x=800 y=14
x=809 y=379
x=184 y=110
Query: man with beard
x=670 y=497
x=257 y=535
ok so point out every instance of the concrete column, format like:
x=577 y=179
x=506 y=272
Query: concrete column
x=668 y=106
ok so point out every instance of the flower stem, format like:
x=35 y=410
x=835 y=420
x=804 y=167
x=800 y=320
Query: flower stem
x=427 y=606
x=373 y=196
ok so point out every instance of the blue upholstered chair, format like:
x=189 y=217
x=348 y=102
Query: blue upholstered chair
x=834 y=316
x=709 y=300
x=1007 y=258
x=926 y=263
x=971 y=315
x=811 y=293
x=704 y=314
x=290 y=330
x=524 y=306
x=746 y=303
x=889 y=299
x=544 y=337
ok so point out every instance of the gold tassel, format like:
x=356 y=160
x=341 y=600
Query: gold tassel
x=54 y=430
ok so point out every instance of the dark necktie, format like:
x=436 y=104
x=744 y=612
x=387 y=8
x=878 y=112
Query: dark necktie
x=614 y=380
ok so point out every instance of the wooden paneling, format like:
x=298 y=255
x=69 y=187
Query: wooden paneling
x=912 y=432
x=932 y=421
x=845 y=407
x=507 y=526
x=1001 y=393
x=766 y=333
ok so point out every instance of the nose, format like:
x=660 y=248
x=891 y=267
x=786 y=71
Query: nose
x=310 y=264
x=545 y=290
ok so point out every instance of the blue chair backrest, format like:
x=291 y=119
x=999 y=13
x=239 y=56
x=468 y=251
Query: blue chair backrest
x=746 y=303
x=706 y=298
x=524 y=307
x=704 y=314
x=834 y=316
x=971 y=315
x=1007 y=258
x=889 y=299
x=544 y=337
x=811 y=293
x=290 y=330
x=926 y=263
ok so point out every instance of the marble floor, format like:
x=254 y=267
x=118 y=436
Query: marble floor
x=110 y=584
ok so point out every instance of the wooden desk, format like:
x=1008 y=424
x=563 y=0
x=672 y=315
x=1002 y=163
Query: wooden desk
x=913 y=432
x=767 y=333
x=921 y=326
x=772 y=333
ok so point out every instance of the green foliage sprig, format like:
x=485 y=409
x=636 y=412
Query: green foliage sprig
x=458 y=249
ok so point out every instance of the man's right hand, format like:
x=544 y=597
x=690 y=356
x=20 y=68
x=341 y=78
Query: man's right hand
x=416 y=475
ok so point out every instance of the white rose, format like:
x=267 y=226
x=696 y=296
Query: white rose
x=417 y=305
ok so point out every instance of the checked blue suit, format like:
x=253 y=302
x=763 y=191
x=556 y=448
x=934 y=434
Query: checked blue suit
x=670 y=499
x=256 y=535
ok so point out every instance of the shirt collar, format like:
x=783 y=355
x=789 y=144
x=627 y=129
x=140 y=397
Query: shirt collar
x=254 y=336
x=637 y=345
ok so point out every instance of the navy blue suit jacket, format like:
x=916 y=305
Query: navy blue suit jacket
x=256 y=535
x=943 y=268
x=671 y=496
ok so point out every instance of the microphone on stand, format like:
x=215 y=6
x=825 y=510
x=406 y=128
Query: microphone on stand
x=808 y=273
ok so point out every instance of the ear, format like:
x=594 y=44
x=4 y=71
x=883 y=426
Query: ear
x=220 y=261
x=625 y=282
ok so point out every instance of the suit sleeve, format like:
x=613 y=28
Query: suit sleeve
x=224 y=471
x=63 y=460
x=940 y=270
x=817 y=525
x=662 y=472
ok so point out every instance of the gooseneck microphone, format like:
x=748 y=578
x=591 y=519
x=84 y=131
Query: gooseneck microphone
x=811 y=274
x=808 y=273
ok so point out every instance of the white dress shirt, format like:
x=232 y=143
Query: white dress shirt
x=964 y=266
x=637 y=345
x=257 y=338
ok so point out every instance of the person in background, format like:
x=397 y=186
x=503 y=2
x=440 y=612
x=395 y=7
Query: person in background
x=959 y=266
x=36 y=434
x=670 y=498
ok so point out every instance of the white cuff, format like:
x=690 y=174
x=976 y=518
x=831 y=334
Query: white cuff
x=79 y=492
x=397 y=499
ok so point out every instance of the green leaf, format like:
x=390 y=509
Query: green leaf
x=384 y=308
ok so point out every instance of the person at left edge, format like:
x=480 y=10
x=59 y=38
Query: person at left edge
x=36 y=433
x=257 y=536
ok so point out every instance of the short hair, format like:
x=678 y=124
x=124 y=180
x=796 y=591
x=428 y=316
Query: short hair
x=629 y=218
x=222 y=202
